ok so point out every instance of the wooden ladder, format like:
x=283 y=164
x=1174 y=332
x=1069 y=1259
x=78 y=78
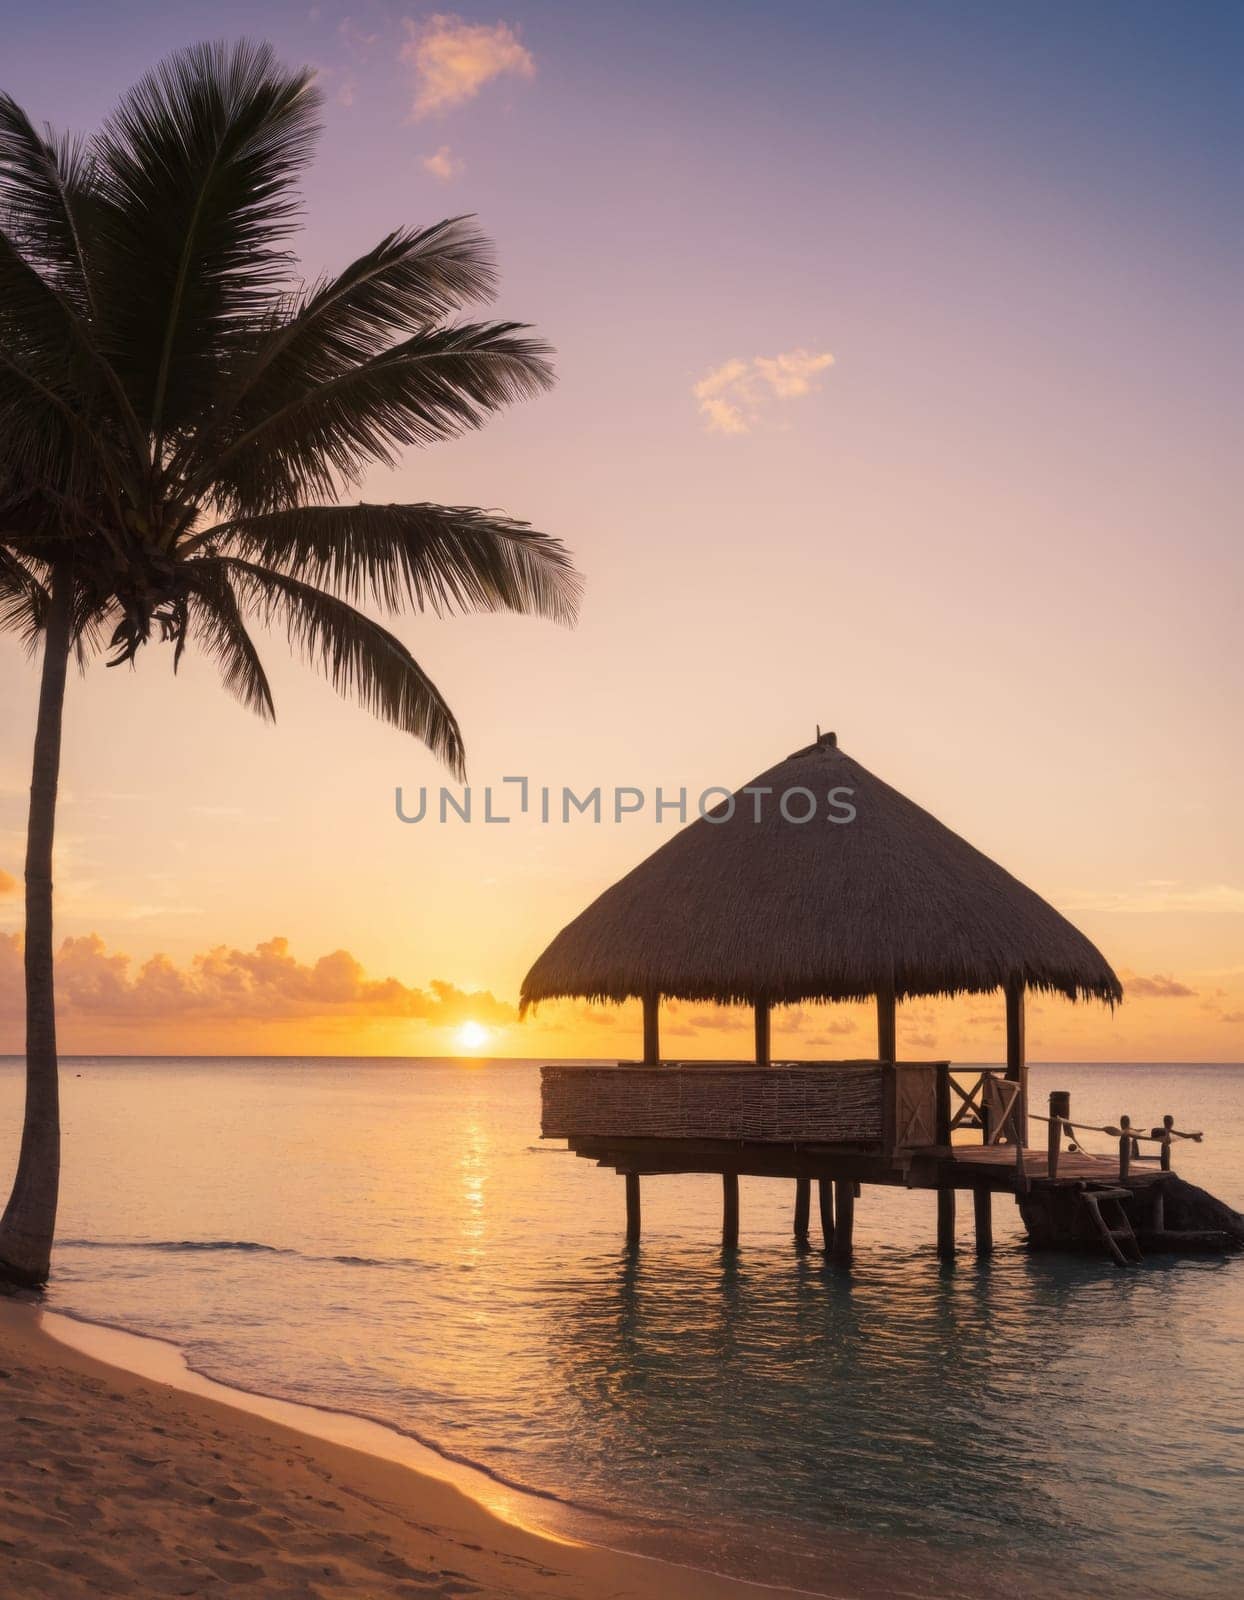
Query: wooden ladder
x=1105 y=1206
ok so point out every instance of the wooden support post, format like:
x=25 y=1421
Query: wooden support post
x=729 y=1209
x=1125 y=1148
x=1167 y=1124
x=1016 y=1059
x=941 y=1106
x=1157 y=1216
x=652 y=1032
x=982 y=1205
x=763 y=1056
x=844 y=1219
x=887 y=1025
x=632 y=1208
x=1060 y=1110
x=803 y=1208
x=825 y=1193
x=946 y=1223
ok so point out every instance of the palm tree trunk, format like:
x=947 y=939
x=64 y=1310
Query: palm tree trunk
x=29 y=1221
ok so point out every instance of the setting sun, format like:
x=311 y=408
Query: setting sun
x=471 y=1035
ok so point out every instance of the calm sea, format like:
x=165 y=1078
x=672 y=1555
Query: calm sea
x=393 y=1239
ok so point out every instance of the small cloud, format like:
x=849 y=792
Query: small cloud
x=443 y=164
x=734 y=397
x=1161 y=895
x=1234 y=1017
x=358 y=40
x=8 y=883
x=1159 y=987
x=453 y=60
x=345 y=95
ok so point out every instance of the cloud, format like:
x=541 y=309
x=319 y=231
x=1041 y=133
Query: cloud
x=736 y=396
x=266 y=984
x=1160 y=895
x=8 y=883
x=1159 y=987
x=443 y=164
x=453 y=60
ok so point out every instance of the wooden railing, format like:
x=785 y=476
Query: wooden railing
x=1129 y=1138
x=983 y=1105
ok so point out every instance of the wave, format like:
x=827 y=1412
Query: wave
x=176 y=1245
x=245 y=1246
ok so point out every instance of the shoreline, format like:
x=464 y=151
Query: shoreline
x=91 y=1507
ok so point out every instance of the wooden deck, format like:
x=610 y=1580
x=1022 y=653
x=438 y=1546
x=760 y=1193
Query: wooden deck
x=994 y=1166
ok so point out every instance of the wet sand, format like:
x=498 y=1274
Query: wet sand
x=115 y=1485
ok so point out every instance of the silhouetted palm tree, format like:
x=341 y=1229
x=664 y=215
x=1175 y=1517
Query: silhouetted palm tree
x=173 y=401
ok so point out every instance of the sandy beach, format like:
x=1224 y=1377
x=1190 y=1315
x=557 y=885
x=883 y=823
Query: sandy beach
x=111 y=1485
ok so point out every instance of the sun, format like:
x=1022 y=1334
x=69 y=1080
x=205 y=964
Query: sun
x=471 y=1035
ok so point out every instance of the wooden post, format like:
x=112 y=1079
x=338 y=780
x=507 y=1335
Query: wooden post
x=946 y=1223
x=652 y=1032
x=1125 y=1148
x=1167 y=1124
x=632 y=1208
x=803 y=1208
x=982 y=1206
x=941 y=1105
x=1060 y=1109
x=763 y=1055
x=729 y=1209
x=1157 y=1216
x=1016 y=1059
x=825 y=1193
x=844 y=1220
x=887 y=1025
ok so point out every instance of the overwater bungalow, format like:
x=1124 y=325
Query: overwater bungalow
x=819 y=882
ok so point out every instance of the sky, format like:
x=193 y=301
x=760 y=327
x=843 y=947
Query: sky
x=898 y=352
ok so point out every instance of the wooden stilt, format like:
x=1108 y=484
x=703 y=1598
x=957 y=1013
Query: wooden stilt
x=729 y=1209
x=652 y=1034
x=1016 y=1059
x=844 y=1220
x=982 y=1205
x=825 y=1193
x=886 y=1025
x=764 y=1055
x=632 y=1208
x=946 y=1223
x=803 y=1208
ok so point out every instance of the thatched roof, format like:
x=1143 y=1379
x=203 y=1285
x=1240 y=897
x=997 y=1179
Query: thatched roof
x=739 y=910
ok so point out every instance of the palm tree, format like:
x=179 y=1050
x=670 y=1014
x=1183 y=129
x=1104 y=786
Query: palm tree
x=178 y=417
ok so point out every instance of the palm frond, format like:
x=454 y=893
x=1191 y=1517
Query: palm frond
x=220 y=628
x=359 y=657
x=195 y=173
x=411 y=278
x=432 y=386
x=45 y=200
x=55 y=343
x=441 y=559
x=23 y=600
x=44 y=431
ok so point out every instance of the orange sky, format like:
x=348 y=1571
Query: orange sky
x=993 y=541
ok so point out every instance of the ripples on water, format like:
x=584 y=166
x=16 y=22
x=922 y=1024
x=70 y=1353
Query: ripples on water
x=390 y=1239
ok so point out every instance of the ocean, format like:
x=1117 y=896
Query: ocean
x=392 y=1239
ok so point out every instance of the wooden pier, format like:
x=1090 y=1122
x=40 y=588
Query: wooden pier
x=845 y=1125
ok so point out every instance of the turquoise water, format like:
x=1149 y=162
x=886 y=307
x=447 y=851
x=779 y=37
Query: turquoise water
x=392 y=1238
